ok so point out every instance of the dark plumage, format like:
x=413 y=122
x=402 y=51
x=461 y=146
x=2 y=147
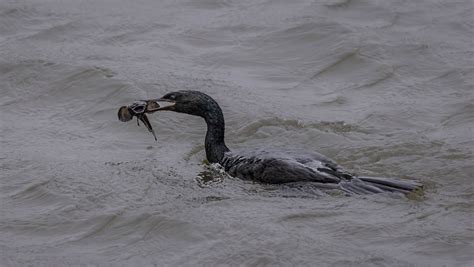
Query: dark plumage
x=274 y=166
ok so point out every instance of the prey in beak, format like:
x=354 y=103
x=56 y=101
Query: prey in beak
x=140 y=108
x=159 y=104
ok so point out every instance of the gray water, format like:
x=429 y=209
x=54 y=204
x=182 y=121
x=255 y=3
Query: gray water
x=385 y=88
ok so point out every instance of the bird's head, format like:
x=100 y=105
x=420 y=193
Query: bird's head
x=189 y=102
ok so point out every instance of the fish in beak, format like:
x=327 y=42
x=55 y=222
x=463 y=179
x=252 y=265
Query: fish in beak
x=140 y=108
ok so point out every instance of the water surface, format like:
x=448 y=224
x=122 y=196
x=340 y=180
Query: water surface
x=384 y=87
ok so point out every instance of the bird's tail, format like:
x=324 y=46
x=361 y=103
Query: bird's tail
x=371 y=185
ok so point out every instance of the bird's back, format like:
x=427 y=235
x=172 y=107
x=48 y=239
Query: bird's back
x=283 y=166
x=286 y=166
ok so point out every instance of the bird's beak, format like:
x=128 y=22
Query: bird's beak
x=159 y=104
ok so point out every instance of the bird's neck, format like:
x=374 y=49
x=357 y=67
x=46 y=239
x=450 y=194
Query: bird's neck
x=215 y=145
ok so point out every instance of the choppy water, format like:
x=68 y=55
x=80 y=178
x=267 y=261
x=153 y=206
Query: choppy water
x=384 y=87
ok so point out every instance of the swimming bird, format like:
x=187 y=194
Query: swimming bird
x=273 y=165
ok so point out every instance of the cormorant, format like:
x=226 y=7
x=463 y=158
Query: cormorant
x=273 y=166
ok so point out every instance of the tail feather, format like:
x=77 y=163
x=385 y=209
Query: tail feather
x=408 y=185
x=368 y=186
x=371 y=185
